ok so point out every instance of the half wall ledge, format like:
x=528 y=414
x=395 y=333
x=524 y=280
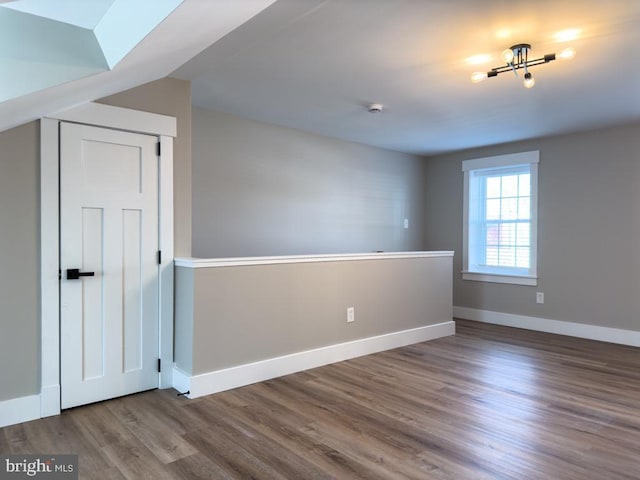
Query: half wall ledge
x=245 y=320
x=343 y=257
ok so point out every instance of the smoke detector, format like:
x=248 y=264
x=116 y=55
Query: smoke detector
x=375 y=108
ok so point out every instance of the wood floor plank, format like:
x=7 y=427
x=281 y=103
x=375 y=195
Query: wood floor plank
x=111 y=473
x=374 y=421
x=490 y=402
x=246 y=426
x=100 y=425
x=152 y=430
x=135 y=461
x=232 y=458
x=16 y=439
x=4 y=443
x=286 y=428
x=61 y=435
x=197 y=467
x=284 y=461
x=167 y=405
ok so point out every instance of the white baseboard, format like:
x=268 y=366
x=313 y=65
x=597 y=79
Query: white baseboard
x=18 y=410
x=181 y=380
x=233 y=377
x=591 y=332
x=50 y=401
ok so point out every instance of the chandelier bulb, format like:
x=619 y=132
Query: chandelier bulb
x=508 y=55
x=477 y=77
x=529 y=81
x=567 y=53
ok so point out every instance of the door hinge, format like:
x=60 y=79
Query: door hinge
x=158 y=149
x=159 y=365
x=159 y=257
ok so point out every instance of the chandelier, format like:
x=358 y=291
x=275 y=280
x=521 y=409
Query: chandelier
x=517 y=58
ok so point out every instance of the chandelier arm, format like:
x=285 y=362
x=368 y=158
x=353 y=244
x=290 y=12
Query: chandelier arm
x=540 y=61
x=512 y=67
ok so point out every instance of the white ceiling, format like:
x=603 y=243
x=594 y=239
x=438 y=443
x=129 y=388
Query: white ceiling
x=314 y=65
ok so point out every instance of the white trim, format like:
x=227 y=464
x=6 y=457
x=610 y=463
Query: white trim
x=496 y=278
x=50 y=401
x=109 y=117
x=119 y=118
x=507 y=160
x=49 y=262
x=181 y=380
x=241 y=375
x=591 y=332
x=166 y=267
x=18 y=410
x=244 y=261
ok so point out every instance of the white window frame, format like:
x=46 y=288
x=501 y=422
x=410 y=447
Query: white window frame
x=502 y=274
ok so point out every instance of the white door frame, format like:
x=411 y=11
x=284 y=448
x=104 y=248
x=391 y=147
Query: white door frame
x=98 y=115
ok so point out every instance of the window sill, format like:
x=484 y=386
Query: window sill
x=493 y=278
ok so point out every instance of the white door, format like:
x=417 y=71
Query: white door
x=109 y=234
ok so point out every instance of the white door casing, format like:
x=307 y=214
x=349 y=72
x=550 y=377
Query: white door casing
x=109 y=231
x=162 y=126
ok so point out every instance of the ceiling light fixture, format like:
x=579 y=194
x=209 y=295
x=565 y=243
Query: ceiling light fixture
x=517 y=58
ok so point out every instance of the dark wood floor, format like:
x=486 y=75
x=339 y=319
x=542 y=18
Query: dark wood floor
x=490 y=403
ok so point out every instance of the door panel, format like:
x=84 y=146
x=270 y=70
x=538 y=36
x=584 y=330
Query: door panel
x=132 y=268
x=109 y=226
x=92 y=299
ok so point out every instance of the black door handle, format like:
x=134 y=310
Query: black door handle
x=75 y=274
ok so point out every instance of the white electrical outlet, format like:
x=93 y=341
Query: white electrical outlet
x=539 y=297
x=406 y=223
x=351 y=314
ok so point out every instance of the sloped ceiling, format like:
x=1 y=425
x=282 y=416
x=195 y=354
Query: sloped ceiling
x=82 y=13
x=47 y=43
x=58 y=54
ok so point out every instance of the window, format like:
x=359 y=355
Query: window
x=500 y=218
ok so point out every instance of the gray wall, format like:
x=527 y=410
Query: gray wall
x=588 y=228
x=184 y=292
x=169 y=96
x=250 y=313
x=20 y=259
x=261 y=189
